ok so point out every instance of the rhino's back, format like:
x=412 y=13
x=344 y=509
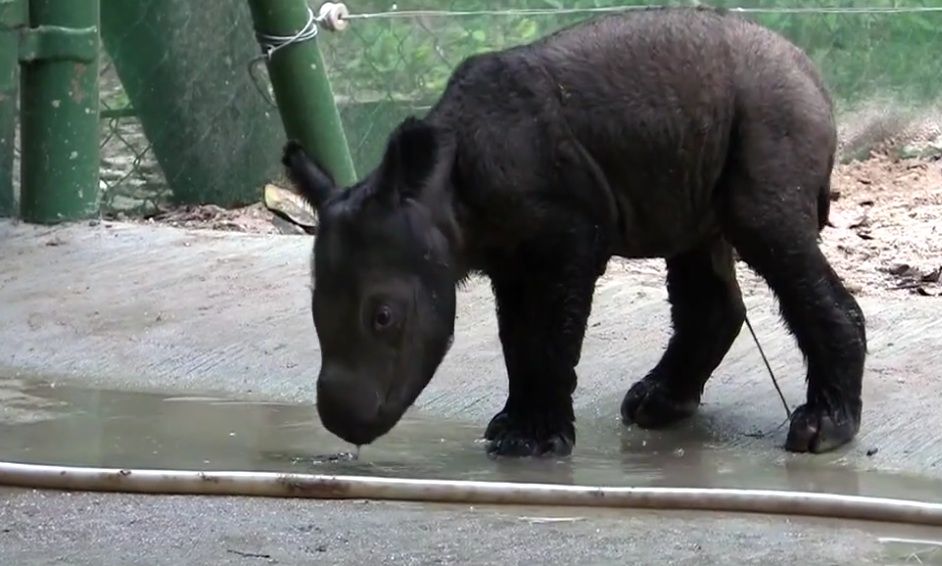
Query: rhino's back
x=656 y=97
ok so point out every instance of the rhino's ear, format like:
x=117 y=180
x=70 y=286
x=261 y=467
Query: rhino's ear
x=314 y=184
x=418 y=160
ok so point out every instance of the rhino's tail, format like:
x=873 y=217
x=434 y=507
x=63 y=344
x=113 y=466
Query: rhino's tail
x=824 y=205
x=824 y=198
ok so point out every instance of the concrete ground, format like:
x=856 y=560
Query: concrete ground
x=150 y=308
x=55 y=528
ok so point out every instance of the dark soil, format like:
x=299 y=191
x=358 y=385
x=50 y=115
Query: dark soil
x=253 y=219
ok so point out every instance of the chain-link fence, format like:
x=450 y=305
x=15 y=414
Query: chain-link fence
x=181 y=117
x=177 y=89
x=131 y=180
x=883 y=68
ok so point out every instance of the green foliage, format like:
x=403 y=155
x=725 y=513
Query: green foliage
x=863 y=56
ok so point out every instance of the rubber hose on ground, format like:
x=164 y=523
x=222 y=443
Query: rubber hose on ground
x=272 y=484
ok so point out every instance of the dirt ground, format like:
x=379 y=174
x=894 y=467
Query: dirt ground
x=885 y=234
x=253 y=219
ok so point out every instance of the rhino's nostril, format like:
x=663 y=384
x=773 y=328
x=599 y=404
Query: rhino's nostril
x=349 y=407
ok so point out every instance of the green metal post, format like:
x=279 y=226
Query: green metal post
x=12 y=18
x=59 y=111
x=302 y=89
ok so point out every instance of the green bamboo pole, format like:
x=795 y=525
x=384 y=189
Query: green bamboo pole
x=12 y=18
x=302 y=89
x=59 y=111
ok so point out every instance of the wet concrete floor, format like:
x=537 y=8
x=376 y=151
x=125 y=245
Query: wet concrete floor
x=42 y=422
x=163 y=348
x=49 y=423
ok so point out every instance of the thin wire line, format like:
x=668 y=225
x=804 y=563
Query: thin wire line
x=769 y=367
x=270 y=43
x=609 y=9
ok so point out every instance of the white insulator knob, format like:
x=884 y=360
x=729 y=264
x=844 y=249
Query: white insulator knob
x=333 y=15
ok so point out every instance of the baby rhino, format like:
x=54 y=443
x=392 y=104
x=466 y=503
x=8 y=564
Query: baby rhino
x=683 y=134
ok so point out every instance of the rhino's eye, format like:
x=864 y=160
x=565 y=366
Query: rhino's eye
x=382 y=317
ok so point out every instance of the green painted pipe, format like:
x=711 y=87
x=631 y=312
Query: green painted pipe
x=302 y=89
x=59 y=112
x=12 y=18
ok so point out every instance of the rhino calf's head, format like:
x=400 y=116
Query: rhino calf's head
x=384 y=277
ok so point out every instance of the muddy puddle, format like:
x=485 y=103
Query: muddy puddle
x=53 y=424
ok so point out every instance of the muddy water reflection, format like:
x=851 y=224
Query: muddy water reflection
x=43 y=423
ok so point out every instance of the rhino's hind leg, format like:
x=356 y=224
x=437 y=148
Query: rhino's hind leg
x=773 y=220
x=707 y=313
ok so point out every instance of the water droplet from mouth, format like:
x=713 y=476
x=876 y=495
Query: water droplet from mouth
x=337 y=457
